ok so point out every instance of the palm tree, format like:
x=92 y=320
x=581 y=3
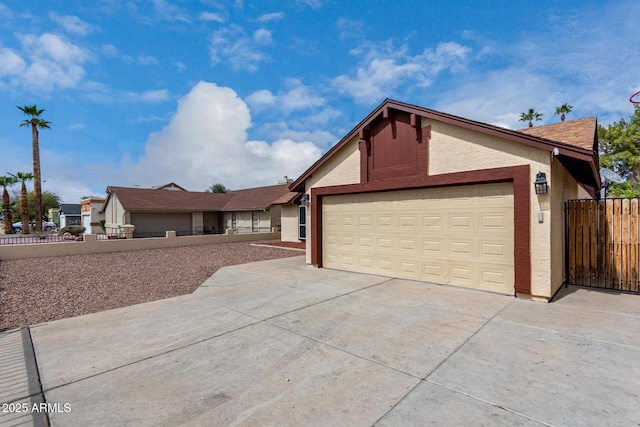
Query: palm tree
x=6 y=181
x=530 y=116
x=35 y=122
x=563 y=109
x=24 y=177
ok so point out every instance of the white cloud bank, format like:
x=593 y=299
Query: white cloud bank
x=206 y=142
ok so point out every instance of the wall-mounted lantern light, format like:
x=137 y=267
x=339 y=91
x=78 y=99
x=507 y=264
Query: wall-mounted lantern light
x=541 y=184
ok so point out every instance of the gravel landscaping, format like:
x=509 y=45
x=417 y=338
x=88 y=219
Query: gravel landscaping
x=45 y=289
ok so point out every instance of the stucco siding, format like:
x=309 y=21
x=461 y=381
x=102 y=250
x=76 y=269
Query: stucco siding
x=453 y=149
x=564 y=188
x=244 y=221
x=115 y=214
x=342 y=168
x=289 y=218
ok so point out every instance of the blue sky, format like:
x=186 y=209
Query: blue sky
x=243 y=92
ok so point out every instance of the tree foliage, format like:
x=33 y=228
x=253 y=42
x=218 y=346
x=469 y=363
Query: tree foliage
x=217 y=188
x=35 y=123
x=7 y=181
x=619 y=145
x=49 y=200
x=563 y=110
x=530 y=116
x=23 y=177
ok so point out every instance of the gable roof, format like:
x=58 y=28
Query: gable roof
x=169 y=186
x=156 y=199
x=70 y=209
x=578 y=132
x=288 y=198
x=574 y=152
x=255 y=198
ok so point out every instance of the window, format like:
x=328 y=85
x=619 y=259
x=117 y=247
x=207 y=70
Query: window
x=233 y=221
x=302 y=222
x=255 y=223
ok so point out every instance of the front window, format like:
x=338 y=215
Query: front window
x=302 y=222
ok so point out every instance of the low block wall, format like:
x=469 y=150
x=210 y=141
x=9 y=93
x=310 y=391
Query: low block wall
x=91 y=245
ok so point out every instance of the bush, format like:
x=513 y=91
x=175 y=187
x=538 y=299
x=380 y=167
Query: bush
x=75 y=230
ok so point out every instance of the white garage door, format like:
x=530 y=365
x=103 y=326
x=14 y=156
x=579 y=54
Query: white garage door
x=461 y=236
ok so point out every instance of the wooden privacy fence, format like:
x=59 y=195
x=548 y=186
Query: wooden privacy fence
x=602 y=243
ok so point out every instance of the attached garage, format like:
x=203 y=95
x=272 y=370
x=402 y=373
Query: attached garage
x=154 y=222
x=418 y=194
x=461 y=235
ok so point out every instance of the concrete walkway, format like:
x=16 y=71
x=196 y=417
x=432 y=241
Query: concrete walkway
x=278 y=343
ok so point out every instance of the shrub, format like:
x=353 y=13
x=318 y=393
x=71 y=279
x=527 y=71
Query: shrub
x=76 y=230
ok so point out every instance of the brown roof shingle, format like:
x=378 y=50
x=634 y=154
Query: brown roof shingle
x=579 y=133
x=147 y=199
x=255 y=198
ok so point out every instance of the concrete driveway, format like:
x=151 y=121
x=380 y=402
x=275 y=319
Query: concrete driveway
x=278 y=343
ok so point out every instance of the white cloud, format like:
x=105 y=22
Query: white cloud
x=109 y=49
x=5 y=12
x=262 y=36
x=76 y=126
x=71 y=24
x=10 y=62
x=313 y=4
x=234 y=47
x=147 y=60
x=206 y=142
x=53 y=47
x=210 y=16
x=269 y=17
x=261 y=98
x=180 y=67
x=151 y=96
x=169 y=12
x=576 y=60
x=383 y=72
x=295 y=97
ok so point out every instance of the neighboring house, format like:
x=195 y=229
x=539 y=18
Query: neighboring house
x=70 y=214
x=175 y=209
x=92 y=214
x=419 y=194
x=54 y=216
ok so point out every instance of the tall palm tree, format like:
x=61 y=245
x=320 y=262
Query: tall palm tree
x=530 y=116
x=24 y=177
x=6 y=181
x=36 y=123
x=563 y=109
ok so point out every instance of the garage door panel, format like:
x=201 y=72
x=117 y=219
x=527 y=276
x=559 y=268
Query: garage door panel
x=457 y=235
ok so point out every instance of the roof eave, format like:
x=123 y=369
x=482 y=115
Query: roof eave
x=487 y=129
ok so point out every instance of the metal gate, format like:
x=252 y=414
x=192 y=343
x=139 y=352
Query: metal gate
x=602 y=243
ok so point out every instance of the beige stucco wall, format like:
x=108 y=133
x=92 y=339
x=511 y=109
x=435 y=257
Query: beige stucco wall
x=564 y=188
x=197 y=222
x=114 y=214
x=342 y=168
x=91 y=245
x=454 y=149
x=275 y=213
x=244 y=220
x=289 y=219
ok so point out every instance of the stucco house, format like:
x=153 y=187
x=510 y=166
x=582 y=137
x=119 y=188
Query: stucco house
x=92 y=214
x=419 y=194
x=172 y=208
x=70 y=214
